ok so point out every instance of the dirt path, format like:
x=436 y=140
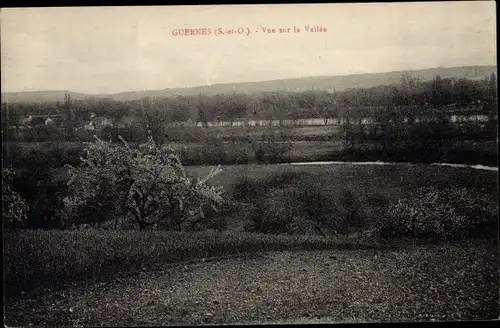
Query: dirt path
x=447 y=282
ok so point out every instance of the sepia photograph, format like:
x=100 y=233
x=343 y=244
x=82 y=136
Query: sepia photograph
x=250 y=164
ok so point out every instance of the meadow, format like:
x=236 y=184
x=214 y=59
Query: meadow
x=299 y=244
x=49 y=259
x=311 y=282
x=216 y=151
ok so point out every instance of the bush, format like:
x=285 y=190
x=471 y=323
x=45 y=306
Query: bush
x=35 y=183
x=350 y=210
x=47 y=154
x=133 y=132
x=434 y=213
x=276 y=213
x=306 y=207
x=273 y=146
x=477 y=206
x=213 y=152
x=15 y=208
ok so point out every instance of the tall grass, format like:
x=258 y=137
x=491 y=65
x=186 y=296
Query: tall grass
x=53 y=259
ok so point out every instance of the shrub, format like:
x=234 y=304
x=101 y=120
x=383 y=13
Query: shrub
x=35 y=183
x=15 y=208
x=306 y=207
x=434 y=213
x=213 y=152
x=477 y=206
x=273 y=147
x=350 y=211
x=276 y=213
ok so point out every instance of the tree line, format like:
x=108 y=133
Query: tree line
x=411 y=92
x=410 y=127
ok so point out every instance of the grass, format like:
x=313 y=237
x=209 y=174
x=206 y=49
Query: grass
x=37 y=259
x=373 y=187
x=371 y=181
x=393 y=181
x=307 y=144
x=51 y=258
x=87 y=277
x=55 y=154
x=445 y=282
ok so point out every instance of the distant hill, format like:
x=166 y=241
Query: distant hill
x=41 y=96
x=340 y=83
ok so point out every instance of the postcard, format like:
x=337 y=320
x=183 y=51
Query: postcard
x=250 y=164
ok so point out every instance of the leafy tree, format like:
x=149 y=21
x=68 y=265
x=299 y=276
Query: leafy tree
x=492 y=101
x=308 y=101
x=67 y=107
x=147 y=183
x=206 y=109
x=437 y=92
x=327 y=105
x=15 y=208
x=492 y=86
x=463 y=92
x=179 y=110
x=154 y=120
x=232 y=107
x=273 y=146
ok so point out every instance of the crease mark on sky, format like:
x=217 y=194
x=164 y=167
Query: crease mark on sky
x=212 y=72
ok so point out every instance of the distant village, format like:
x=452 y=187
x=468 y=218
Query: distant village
x=99 y=122
x=95 y=123
x=60 y=120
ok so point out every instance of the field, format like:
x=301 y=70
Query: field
x=239 y=145
x=87 y=277
x=316 y=132
x=297 y=244
x=54 y=259
x=373 y=185
x=450 y=281
x=367 y=180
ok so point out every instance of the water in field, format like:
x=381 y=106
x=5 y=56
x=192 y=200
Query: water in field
x=477 y=167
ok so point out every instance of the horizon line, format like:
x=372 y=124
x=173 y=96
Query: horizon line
x=255 y=81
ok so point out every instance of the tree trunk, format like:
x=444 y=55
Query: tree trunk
x=142 y=225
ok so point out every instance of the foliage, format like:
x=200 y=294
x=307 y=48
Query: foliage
x=147 y=183
x=35 y=183
x=272 y=145
x=411 y=121
x=411 y=93
x=154 y=118
x=15 y=208
x=305 y=207
x=436 y=213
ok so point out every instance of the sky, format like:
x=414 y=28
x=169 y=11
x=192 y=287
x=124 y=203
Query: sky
x=115 y=49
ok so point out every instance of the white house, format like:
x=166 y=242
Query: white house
x=89 y=127
x=27 y=121
x=49 y=121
